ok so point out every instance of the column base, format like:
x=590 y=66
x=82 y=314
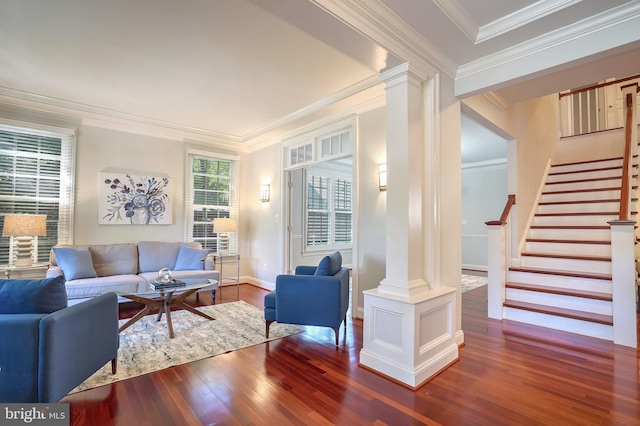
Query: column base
x=410 y=340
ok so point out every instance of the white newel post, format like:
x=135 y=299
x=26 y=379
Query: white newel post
x=409 y=328
x=496 y=266
x=624 y=283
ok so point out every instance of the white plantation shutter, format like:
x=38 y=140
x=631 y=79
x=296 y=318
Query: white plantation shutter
x=329 y=212
x=36 y=177
x=211 y=192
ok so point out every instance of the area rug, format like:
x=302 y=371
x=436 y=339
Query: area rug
x=469 y=282
x=146 y=346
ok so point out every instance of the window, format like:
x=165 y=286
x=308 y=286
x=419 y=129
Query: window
x=329 y=214
x=211 y=194
x=36 y=177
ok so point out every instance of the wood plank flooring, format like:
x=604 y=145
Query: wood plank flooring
x=508 y=374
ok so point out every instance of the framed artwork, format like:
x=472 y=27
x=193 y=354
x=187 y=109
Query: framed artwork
x=129 y=199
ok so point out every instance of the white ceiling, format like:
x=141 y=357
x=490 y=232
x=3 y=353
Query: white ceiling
x=242 y=71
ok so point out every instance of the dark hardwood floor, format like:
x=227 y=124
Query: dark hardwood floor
x=508 y=374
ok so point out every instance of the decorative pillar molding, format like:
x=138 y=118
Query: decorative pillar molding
x=404 y=183
x=409 y=328
x=623 y=277
x=496 y=268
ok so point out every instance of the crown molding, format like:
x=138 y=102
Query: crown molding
x=542 y=52
x=377 y=21
x=459 y=17
x=497 y=99
x=521 y=17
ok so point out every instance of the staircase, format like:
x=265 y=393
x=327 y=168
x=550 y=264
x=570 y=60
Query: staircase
x=564 y=281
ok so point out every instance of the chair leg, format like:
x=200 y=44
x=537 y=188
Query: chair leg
x=336 y=330
x=114 y=365
x=268 y=324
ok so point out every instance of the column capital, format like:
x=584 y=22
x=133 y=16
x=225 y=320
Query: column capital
x=403 y=73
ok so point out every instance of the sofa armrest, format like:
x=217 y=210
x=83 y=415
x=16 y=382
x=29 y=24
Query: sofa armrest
x=75 y=342
x=305 y=299
x=209 y=263
x=54 y=271
x=19 y=357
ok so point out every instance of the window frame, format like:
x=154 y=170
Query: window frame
x=232 y=209
x=66 y=174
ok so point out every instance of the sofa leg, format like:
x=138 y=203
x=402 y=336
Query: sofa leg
x=268 y=324
x=114 y=365
x=336 y=330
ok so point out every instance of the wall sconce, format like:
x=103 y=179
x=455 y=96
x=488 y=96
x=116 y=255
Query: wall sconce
x=265 y=192
x=382 y=176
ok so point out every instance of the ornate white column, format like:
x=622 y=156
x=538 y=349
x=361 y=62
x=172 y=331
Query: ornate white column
x=409 y=328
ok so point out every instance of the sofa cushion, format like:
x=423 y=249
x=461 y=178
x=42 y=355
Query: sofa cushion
x=190 y=259
x=155 y=255
x=115 y=259
x=329 y=265
x=32 y=296
x=75 y=263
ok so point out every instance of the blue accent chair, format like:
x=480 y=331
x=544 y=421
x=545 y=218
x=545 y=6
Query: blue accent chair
x=48 y=348
x=317 y=296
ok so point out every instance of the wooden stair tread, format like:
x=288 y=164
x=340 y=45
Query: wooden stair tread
x=601 y=169
x=562 y=291
x=561 y=312
x=567 y=256
x=545 y=240
x=589 y=275
x=551 y=203
x=575 y=191
x=587 y=162
x=582 y=214
x=584 y=227
x=588 y=180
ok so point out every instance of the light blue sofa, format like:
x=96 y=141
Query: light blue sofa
x=315 y=295
x=91 y=270
x=48 y=348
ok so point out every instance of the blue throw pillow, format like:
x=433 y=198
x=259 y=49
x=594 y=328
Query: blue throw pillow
x=329 y=265
x=190 y=259
x=33 y=296
x=323 y=267
x=75 y=263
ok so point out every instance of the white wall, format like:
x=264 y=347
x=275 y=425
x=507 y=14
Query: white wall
x=484 y=191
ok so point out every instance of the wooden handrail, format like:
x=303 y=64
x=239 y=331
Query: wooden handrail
x=624 y=192
x=511 y=200
x=597 y=86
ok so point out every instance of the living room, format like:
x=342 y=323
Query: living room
x=113 y=131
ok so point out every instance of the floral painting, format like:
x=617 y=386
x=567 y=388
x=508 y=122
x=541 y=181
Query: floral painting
x=127 y=199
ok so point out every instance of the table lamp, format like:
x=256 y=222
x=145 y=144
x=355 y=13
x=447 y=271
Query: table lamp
x=222 y=226
x=24 y=230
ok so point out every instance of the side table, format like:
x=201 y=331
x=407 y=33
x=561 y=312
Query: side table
x=218 y=261
x=37 y=270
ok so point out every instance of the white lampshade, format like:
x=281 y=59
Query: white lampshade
x=224 y=224
x=25 y=225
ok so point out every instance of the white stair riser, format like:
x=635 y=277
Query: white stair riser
x=584 y=328
x=569 y=248
x=586 y=166
x=570 y=265
x=608 y=183
x=612 y=194
x=571 y=234
x=573 y=283
x=587 y=174
x=579 y=208
x=574 y=220
x=561 y=301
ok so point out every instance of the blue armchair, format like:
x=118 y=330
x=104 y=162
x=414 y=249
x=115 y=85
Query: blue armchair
x=48 y=348
x=316 y=296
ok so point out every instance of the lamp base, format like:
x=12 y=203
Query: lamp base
x=22 y=249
